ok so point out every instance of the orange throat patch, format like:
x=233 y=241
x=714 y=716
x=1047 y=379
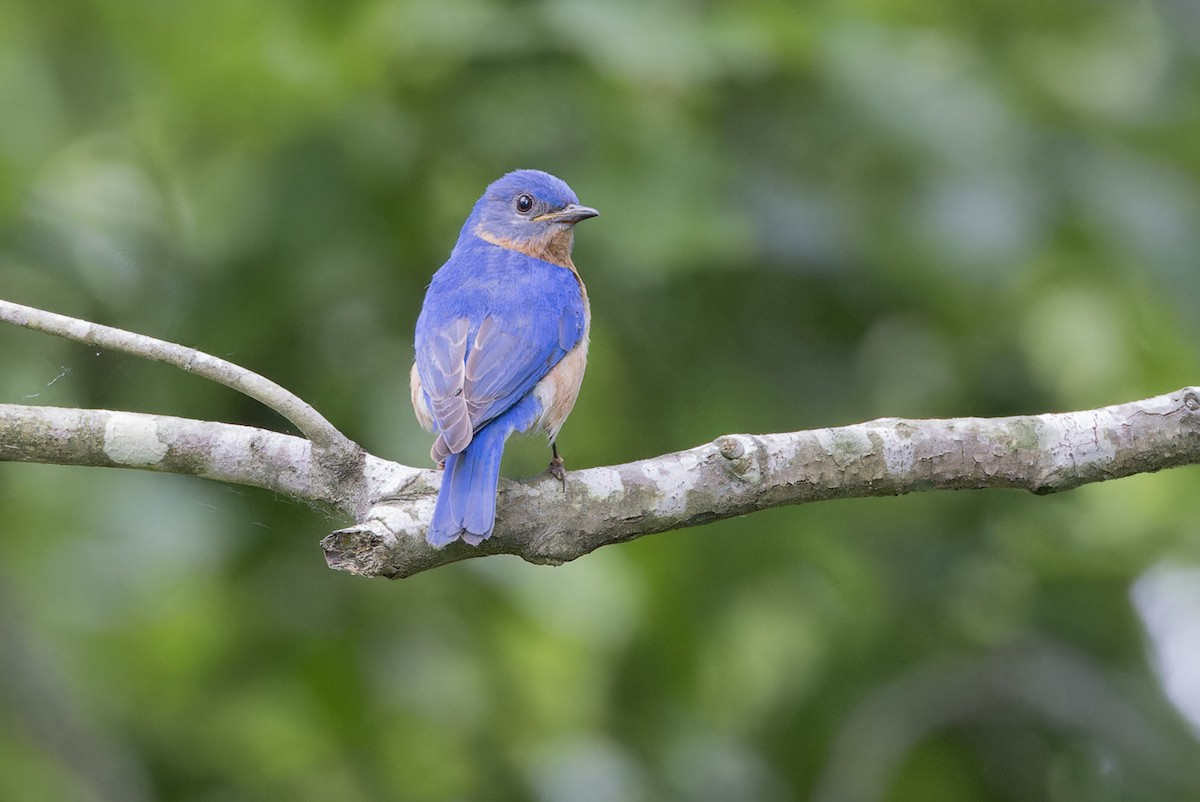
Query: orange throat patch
x=554 y=247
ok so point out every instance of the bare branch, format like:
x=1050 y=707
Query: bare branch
x=391 y=504
x=738 y=474
x=224 y=452
x=102 y=438
x=323 y=434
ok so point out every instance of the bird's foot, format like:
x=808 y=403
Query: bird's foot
x=556 y=469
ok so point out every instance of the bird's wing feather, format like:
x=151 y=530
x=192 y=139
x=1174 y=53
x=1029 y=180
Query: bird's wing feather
x=505 y=362
x=442 y=376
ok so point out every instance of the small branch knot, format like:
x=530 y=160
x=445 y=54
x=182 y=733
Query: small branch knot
x=1191 y=400
x=740 y=457
x=731 y=448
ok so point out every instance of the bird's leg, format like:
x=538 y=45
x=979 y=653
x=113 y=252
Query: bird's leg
x=555 y=468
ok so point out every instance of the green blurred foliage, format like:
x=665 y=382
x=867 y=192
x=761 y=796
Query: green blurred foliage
x=813 y=214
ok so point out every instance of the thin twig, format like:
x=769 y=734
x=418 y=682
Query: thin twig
x=323 y=434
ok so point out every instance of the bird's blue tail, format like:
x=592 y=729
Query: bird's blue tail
x=466 y=502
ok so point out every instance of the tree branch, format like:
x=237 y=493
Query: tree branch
x=739 y=474
x=221 y=451
x=316 y=428
x=538 y=520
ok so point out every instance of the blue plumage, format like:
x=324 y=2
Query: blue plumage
x=501 y=342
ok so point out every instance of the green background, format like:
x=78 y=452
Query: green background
x=812 y=215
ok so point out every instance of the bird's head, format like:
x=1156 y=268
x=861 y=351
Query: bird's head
x=531 y=212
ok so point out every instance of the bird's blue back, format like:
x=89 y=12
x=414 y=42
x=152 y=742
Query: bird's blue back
x=538 y=302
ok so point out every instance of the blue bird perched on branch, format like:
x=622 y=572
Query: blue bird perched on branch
x=501 y=343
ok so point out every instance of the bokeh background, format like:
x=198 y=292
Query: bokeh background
x=813 y=214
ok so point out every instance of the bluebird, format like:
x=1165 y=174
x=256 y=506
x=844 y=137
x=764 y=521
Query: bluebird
x=501 y=343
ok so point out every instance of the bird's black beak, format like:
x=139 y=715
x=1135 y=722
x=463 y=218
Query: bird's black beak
x=571 y=214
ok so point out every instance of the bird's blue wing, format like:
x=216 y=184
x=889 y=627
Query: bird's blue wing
x=487 y=334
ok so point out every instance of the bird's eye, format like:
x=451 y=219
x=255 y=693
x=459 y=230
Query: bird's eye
x=524 y=203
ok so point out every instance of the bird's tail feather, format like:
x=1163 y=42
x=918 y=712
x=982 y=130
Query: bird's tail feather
x=466 y=502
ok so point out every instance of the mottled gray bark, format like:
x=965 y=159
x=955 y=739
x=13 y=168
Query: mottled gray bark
x=540 y=521
x=739 y=474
